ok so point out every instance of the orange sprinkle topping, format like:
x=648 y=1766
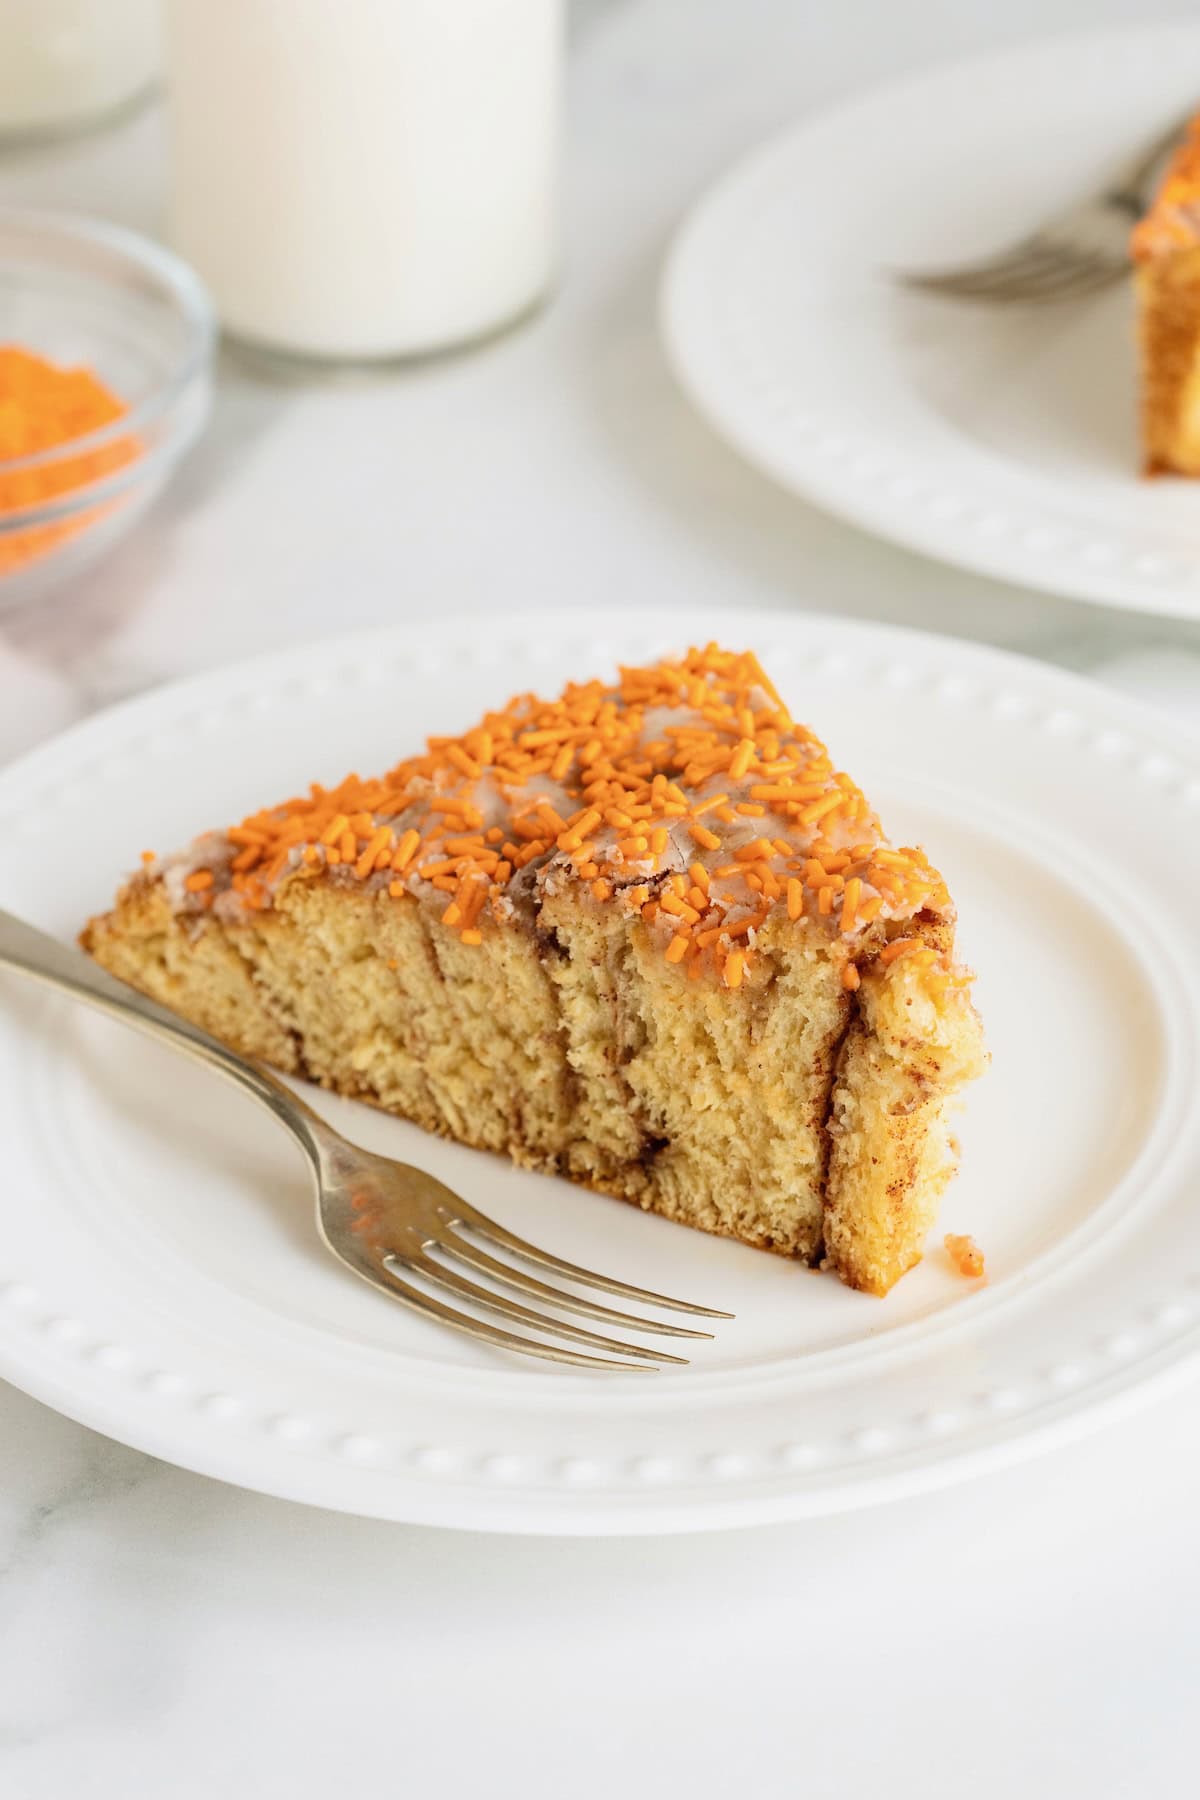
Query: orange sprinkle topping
x=591 y=783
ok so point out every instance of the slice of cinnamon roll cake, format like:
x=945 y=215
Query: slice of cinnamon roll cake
x=643 y=935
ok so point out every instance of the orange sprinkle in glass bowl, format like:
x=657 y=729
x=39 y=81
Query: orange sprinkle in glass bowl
x=111 y=334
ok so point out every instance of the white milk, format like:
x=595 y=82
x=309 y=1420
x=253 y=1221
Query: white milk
x=64 y=63
x=365 y=178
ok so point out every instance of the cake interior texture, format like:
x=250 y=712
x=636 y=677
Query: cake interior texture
x=643 y=936
x=1166 y=255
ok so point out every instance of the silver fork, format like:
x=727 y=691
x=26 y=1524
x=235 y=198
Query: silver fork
x=381 y=1217
x=1081 y=251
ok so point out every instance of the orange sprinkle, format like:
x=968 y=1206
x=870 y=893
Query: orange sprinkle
x=472 y=935
x=744 y=927
x=572 y=838
x=795 y=898
x=735 y=964
x=741 y=759
x=197 y=882
x=850 y=979
x=677 y=949
x=366 y=862
x=897 y=948
x=966 y=1255
x=820 y=808
x=406 y=849
x=706 y=805
x=707 y=840
x=466 y=764
x=850 y=903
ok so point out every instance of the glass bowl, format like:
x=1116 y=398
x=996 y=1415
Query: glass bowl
x=91 y=295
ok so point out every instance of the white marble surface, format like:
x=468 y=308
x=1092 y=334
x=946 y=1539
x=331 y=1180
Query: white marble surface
x=160 y=1634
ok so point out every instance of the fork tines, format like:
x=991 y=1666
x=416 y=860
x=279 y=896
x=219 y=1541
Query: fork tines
x=438 y=1275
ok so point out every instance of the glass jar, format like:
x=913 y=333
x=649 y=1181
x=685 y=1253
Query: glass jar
x=66 y=64
x=376 y=178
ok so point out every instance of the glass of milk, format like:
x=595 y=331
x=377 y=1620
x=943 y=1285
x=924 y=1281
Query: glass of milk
x=67 y=64
x=367 y=178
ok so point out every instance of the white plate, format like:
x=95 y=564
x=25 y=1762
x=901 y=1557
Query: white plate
x=159 y=1276
x=999 y=438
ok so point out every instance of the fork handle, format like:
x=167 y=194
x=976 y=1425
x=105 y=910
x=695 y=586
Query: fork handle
x=32 y=952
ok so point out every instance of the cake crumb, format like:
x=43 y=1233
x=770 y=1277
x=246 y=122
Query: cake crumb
x=965 y=1254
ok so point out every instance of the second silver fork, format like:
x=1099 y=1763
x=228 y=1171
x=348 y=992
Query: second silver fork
x=1079 y=252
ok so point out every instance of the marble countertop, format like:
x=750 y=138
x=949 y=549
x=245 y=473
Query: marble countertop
x=1032 y=1632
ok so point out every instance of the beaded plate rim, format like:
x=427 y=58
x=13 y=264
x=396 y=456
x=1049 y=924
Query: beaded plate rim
x=739 y=1472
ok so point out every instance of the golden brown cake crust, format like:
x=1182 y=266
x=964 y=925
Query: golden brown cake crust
x=762 y=1045
x=1165 y=247
x=1173 y=221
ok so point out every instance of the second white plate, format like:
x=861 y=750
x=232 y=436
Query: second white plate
x=160 y=1277
x=1002 y=439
